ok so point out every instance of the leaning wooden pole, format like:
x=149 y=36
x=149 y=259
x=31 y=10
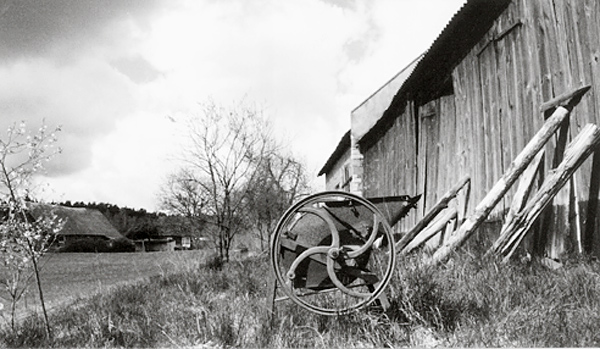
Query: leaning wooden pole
x=441 y=205
x=430 y=231
x=577 y=151
x=515 y=169
x=519 y=201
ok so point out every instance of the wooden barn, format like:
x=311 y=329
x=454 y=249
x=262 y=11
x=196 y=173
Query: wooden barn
x=79 y=223
x=343 y=168
x=471 y=104
x=338 y=167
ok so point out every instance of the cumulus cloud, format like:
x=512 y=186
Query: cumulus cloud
x=32 y=28
x=110 y=72
x=85 y=98
x=70 y=63
x=287 y=54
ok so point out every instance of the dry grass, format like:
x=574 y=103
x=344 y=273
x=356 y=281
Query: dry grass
x=466 y=302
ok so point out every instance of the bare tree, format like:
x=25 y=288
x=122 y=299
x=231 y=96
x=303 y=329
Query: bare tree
x=183 y=196
x=279 y=181
x=23 y=239
x=226 y=146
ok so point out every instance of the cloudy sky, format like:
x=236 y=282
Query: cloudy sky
x=115 y=73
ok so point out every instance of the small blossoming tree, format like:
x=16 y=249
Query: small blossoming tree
x=23 y=238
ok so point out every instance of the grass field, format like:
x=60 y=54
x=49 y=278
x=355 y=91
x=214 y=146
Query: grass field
x=468 y=301
x=69 y=276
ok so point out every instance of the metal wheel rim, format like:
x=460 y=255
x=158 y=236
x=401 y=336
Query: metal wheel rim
x=275 y=250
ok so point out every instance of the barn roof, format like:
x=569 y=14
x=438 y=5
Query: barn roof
x=432 y=72
x=341 y=148
x=78 y=220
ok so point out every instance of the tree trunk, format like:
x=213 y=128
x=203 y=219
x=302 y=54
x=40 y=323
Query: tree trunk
x=41 y=293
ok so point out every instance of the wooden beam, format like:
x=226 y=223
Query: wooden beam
x=515 y=169
x=525 y=186
x=569 y=99
x=519 y=200
x=577 y=151
x=430 y=231
x=441 y=205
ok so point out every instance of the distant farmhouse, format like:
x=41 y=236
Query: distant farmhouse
x=171 y=233
x=79 y=223
x=469 y=105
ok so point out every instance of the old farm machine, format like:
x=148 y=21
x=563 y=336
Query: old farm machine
x=334 y=252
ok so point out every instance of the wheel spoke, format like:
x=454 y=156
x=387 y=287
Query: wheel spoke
x=311 y=251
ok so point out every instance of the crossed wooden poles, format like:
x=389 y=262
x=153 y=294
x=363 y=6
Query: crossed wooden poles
x=522 y=213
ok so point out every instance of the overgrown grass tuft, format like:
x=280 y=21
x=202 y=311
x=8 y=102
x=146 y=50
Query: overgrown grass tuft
x=466 y=302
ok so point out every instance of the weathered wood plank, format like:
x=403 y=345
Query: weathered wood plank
x=589 y=237
x=422 y=164
x=431 y=133
x=575 y=218
x=564 y=75
x=463 y=134
x=487 y=79
x=476 y=127
x=592 y=16
x=557 y=226
x=451 y=171
x=539 y=15
x=531 y=72
x=499 y=109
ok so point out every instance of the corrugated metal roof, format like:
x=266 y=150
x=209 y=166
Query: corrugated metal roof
x=366 y=115
x=402 y=74
x=427 y=80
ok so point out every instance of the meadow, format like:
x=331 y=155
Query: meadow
x=70 y=276
x=467 y=302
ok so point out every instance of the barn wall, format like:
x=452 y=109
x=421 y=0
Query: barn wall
x=390 y=165
x=537 y=50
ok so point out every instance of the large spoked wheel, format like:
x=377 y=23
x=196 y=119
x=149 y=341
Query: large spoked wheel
x=333 y=253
